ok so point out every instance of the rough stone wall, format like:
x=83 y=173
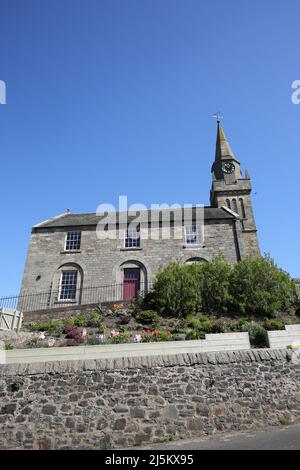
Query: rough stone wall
x=101 y=259
x=125 y=402
x=53 y=314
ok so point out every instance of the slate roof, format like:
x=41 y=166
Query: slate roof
x=92 y=219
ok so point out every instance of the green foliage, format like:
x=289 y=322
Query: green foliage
x=257 y=334
x=35 y=343
x=147 y=317
x=175 y=291
x=9 y=346
x=150 y=336
x=273 y=325
x=260 y=288
x=94 y=320
x=192 y=321
x=78 y=321
x=254 y=286
x=192 y=333
x=213 y=281
x=122 y=337
x=291 y=347
x=17 y=385
x=284 y=420
x=217 y=326
x=164 y=336
x=101 y=328
x=54 y=327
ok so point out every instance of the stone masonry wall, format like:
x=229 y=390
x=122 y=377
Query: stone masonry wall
x=100 y=260
x=126 y=402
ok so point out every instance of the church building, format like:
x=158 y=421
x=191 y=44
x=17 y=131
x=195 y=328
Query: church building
x=68 y=263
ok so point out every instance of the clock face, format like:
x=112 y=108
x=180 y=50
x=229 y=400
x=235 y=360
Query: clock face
x=228 y=168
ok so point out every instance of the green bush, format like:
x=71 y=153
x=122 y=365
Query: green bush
x=273 y=325
x=192 y=321
x=101 y=328
x=260 y=288
x=213 y=281
x=35 y=343
x=79 y=321
x=94 y=320
x=122 y=337
x=216 y=326
x=191 y=333
x=175 y=291
x=257 y=334
x=54 y=327
x=254 y=286
x=146 y=317
x=8 y=346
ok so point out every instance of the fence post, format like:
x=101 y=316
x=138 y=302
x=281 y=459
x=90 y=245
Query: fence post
x=13 y=320
x=20 y=320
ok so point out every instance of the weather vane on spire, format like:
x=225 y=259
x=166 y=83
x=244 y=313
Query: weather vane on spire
x=218 y=116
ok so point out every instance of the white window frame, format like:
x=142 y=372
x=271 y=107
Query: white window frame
x=61 y=287
x=74 y=234
x=189 y=232
x=135 y=235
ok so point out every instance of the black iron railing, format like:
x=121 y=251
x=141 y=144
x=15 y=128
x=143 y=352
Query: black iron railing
x=84 y=296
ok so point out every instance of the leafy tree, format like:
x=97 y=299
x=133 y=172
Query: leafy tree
x=213 y=281
x=254 y=286
x=175 y=291
x=260 y=288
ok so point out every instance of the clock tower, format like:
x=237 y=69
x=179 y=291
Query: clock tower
x=232 y=190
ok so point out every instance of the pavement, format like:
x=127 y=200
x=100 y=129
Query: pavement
x=283 y=438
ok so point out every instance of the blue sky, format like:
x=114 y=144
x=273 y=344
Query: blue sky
x=110 y=97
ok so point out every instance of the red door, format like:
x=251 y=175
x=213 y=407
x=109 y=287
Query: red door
x=131 y=284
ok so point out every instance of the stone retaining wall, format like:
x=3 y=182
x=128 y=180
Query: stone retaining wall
x=59 y=313
x=129 y=401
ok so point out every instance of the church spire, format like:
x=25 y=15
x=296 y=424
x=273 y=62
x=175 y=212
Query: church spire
x=223 y=149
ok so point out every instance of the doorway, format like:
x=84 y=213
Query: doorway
x=131 y=284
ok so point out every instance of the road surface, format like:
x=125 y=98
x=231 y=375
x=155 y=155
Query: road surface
x=283 y=438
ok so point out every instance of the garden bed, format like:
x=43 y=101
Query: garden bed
x=129 y=323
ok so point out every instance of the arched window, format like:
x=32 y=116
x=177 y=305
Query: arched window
x=234 y=206
x=67 y=283
x=228 y=203
x=195 y=260
x=242 y=208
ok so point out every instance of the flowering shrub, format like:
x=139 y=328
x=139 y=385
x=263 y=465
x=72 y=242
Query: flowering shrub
x=73 y=335
x=149 y=336
x=117 y=337
x=117 y=307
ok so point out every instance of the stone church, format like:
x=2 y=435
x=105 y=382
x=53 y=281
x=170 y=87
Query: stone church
x=68 y=263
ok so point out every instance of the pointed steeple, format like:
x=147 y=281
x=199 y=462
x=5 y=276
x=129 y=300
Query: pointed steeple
x=223 y=149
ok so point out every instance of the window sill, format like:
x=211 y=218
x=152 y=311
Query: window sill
x=193 y=247
x=131 y=249
x=66 y=252
x=62 y=302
